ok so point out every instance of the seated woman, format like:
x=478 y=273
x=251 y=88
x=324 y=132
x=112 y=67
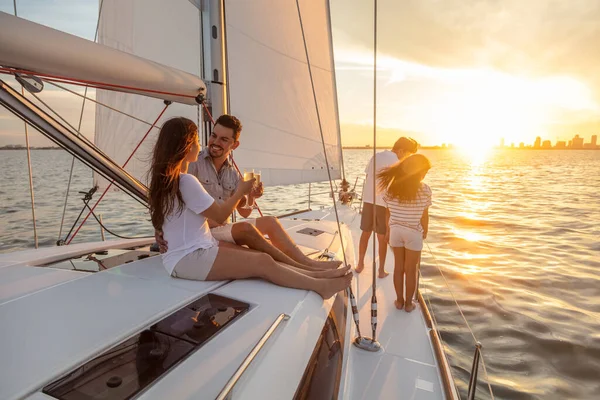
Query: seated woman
x=180 y=206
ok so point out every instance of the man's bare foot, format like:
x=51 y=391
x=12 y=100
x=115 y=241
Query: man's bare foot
x=331 y=273
x=409 y=306
x=359 y=268
x=399 y=304
x=383 y=273
x=329 y=287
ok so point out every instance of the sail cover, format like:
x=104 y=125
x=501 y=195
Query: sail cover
x=270 y=89
x=164 y=32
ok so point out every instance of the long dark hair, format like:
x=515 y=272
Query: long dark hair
x=175 y=140
x=402 y=180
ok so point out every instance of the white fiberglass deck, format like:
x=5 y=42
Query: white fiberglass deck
x=407 y=366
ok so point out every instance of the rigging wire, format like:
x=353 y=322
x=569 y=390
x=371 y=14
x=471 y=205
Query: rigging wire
x=99 y=103
x=62 y=220
x=337 y=218
x=35 y=236
x=167 y=104
x=463 y=316
x=374 y=283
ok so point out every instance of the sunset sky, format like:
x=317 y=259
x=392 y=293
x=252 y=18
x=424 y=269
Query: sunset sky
x=467 y=72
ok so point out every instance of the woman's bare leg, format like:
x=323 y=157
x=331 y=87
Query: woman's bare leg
x=280 y=239
x=240 y=263
x=246 y=234
x=411 y=259
x=399 y=276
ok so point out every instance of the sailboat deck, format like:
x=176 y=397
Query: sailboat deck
x=407 y=366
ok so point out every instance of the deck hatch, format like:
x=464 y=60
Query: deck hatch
x=124 y=370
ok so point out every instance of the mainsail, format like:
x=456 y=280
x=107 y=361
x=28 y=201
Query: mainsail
x=164 y=32
x=269 y=83
x=270 y=88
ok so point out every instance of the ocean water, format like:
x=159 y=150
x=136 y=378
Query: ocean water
x=516 y=234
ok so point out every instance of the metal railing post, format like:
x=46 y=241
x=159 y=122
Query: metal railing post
x=474 y=369
x=309 y=187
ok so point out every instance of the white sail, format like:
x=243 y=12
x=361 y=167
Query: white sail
x=270 y=89
x=164 y=32
x=25 y=45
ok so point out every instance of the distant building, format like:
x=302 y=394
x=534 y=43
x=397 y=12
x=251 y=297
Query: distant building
x=512 y=145
x=588 y=146
x=570 y=144
x=502 y=142
x=594 y=141
x=547 y=144
x=561 y=144
x=538 y=142
x=577 y=142
x=521 y=145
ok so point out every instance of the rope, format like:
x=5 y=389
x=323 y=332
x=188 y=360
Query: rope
x=92 y=84
x=167 y=103
x=232 y=160
x=62 y=220
x=463 y=317
x=337 y=218
x=374 y=283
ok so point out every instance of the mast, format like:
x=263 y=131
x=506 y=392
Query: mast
x=216 y=57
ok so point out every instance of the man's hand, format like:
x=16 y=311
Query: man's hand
x=257 y=191
x=387 y=236
x=162 y=243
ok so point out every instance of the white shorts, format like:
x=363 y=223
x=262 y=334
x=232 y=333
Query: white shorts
x=196 y=265
x=223 y=232
x=402 y=236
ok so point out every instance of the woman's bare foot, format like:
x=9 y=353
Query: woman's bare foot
x=359 y=268
x=328 y=287
x=325 y=264
x=383 y=273
x=330 y=273
x=399 y=304
x=409 y=306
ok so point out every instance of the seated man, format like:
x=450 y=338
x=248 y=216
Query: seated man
x=220 y=178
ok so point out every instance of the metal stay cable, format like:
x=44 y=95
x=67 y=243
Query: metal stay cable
x=62 y=220
x=374 y=283
x=463 y=317
x=35 y=237
x=337 y=218
x=167 y=104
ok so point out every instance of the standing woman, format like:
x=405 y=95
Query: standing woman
x=408 y=200
x=180 y=206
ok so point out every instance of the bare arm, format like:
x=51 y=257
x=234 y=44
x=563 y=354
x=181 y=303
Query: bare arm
x=387 y=224
x=219 y=212
x=425 y=222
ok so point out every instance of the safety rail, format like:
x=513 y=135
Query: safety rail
x=437 y=337
x=228 y=388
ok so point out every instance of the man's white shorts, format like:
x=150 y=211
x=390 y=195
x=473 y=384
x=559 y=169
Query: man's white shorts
x=223 y=232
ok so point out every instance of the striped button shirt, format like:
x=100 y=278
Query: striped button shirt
x=409 y=213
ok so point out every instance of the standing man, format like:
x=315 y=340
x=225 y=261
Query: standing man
x=402 y=149
x=216 y=172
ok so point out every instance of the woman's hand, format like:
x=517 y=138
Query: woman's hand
x=424 y=235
